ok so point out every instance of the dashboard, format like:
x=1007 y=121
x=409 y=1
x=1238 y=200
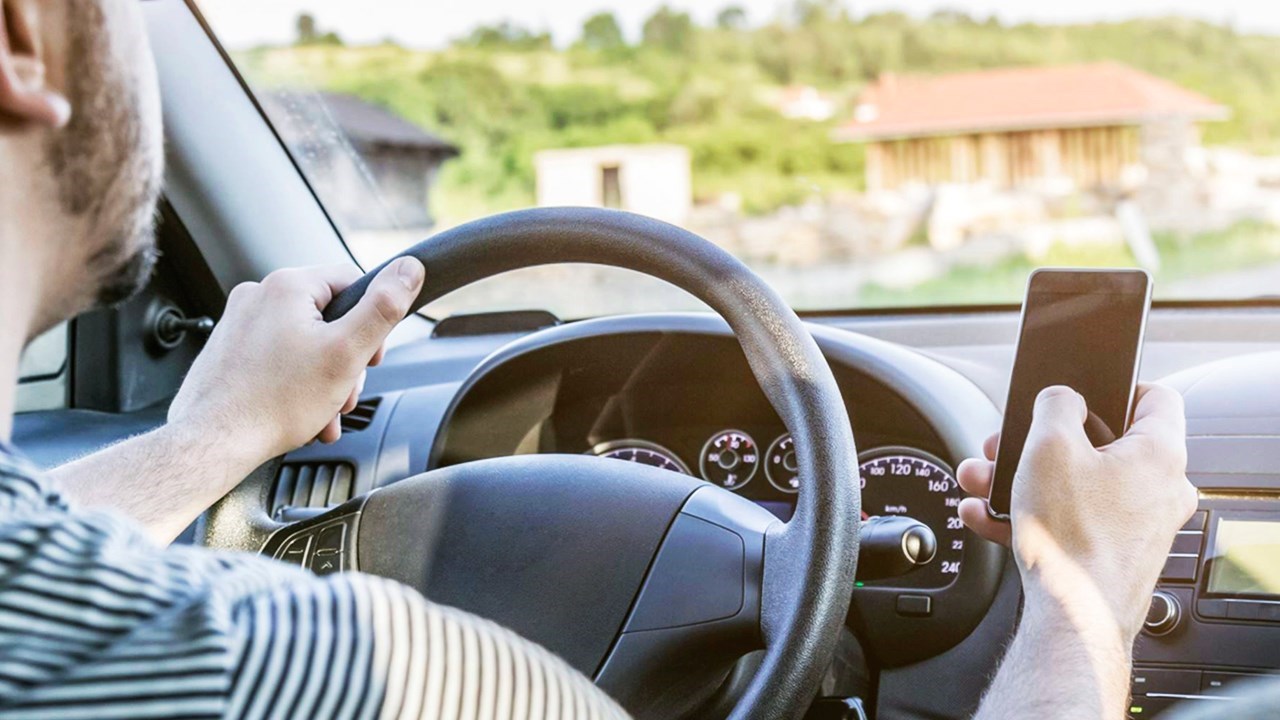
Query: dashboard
x=922 y=393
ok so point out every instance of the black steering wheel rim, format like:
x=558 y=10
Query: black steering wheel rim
x=810 y=561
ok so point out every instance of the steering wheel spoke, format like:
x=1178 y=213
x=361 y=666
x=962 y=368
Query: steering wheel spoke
x=698 y=611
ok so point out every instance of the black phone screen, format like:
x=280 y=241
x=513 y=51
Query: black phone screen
x=1082 y=329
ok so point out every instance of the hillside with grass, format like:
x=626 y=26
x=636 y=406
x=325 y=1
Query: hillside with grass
x=504 y=92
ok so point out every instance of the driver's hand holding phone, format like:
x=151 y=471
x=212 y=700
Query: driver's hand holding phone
x=1087 y=479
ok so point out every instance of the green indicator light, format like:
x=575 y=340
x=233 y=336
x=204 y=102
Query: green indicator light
x=857 y=583
x=1135 y=710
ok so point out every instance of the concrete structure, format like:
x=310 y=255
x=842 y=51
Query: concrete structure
x=1085 y=125
x=372 y=169
x=652 y=180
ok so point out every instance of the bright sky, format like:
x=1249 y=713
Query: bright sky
x=432 y=23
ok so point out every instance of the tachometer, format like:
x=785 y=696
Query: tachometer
x=643 y=452
x=781 y=466
x=906 y=481
x=729 y=459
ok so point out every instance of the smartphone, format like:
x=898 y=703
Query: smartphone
x=1082 y=329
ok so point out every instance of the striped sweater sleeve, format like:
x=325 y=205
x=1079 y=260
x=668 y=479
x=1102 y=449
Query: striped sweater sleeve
x=401 y=657
x=96 y=622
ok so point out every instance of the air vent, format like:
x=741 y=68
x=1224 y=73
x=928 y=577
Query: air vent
x=361 y=416
x=313 y=485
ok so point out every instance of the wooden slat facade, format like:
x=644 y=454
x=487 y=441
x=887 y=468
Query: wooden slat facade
x=1092 y=157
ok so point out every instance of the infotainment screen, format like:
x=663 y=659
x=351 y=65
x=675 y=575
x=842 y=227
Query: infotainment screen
x=1245 y=558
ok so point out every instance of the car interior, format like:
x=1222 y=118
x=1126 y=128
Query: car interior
x=688 y=580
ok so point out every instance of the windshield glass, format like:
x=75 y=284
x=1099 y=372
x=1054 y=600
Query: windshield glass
x=865 y=155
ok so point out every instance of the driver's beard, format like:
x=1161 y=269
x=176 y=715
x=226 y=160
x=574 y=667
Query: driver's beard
x=101 y=160
x=125 y=278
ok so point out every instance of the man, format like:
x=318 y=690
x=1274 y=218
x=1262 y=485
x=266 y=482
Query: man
x=99 y=620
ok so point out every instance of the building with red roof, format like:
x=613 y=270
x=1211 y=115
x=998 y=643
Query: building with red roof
x=1016 y=126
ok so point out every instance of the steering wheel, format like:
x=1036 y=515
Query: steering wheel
x=650 y=582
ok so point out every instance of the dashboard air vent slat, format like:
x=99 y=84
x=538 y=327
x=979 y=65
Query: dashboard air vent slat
x=312 y=485
x=361 y=416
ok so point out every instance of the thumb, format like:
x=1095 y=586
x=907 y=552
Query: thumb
x=385 y=303
x=1059 y=412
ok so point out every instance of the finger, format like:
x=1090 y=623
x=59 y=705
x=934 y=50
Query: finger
x=1158 y=411
x=360 y=386
x=1059 y=412
x=331 y=432
x=319 y=282
x=385 y=303
x=990 y=445
x=354 y=398
x=377 y=357
x=973 y=512
x=975 y=475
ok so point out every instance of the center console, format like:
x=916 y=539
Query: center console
x=1214 y=622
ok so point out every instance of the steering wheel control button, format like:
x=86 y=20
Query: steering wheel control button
x=326 y=564
x=1164 y=614
x=915 y=605
x=729 y=459
x=295 y=553
x=330 y=539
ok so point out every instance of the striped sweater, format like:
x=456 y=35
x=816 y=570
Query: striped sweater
x=98 y=622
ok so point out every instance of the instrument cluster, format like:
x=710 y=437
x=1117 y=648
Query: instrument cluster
x=895 y=480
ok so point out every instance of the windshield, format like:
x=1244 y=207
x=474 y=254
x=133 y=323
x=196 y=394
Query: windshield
x=922 y=154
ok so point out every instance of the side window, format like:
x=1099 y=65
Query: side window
x=42 y=374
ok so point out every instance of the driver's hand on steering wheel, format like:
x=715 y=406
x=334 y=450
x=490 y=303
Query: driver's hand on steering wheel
x=274 y=376
x=1086 y=519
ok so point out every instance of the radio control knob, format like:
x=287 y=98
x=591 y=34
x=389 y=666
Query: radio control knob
x=1164 y=614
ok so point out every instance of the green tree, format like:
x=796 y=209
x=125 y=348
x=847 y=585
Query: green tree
x=669 y=29
x=306 y=30
x=508 y=35
x=811 y=13
x=732 y=17
x=602 y=32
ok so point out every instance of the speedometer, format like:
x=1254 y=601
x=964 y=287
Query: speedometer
x=643 y=452
x=906 y=481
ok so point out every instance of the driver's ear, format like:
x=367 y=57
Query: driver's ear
x=25 y=98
